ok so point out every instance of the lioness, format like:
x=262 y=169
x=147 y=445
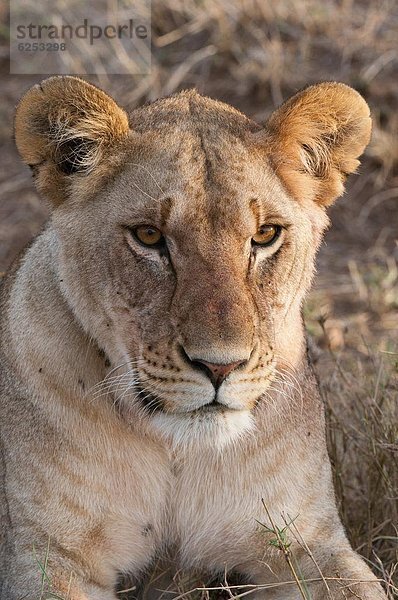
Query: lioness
x=157 y=402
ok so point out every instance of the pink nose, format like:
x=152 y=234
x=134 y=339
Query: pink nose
x=218 y=372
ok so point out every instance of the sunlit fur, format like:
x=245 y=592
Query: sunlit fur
x=108 y=453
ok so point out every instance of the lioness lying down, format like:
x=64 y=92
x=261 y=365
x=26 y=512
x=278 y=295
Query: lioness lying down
x=157 y=402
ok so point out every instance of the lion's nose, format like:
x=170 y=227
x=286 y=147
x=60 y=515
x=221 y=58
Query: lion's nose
x=217 y=372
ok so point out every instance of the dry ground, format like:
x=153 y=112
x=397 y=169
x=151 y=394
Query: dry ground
x=255 y=54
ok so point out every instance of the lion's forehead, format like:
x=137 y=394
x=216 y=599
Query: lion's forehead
x=196 y=149
x=214 y=173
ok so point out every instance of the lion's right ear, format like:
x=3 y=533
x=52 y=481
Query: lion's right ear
x=66 y=126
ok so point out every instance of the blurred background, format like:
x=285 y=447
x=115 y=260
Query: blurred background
x=254 y=54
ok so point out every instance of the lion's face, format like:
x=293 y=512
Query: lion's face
x=206 y=293
x=186 y=255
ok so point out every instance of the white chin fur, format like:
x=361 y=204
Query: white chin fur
x=214 y=430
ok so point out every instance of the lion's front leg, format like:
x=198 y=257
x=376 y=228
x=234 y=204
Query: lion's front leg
x=346 y=575
x=61 y=582
x=325 y=572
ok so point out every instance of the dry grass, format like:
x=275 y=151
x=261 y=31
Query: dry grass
x=361 y=401
x=254 y=54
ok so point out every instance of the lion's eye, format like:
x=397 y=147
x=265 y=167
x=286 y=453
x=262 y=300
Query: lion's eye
x=266 y=235
x=148 y=235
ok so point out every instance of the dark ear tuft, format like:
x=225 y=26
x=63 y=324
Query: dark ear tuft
x=73 y=156
x=66 y=126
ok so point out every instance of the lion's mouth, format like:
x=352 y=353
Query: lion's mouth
x=213 y=406
x=152 y=403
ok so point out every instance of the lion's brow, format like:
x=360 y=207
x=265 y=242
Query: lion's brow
x=165 y=209
x=256 y=208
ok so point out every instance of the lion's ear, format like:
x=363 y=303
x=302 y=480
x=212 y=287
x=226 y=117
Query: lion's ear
x=65 y=126
x=315 y=139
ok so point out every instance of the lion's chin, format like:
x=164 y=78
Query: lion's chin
x=203 y=429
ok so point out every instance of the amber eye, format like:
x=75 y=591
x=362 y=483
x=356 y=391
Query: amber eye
x=148 y=235
x=266 y=235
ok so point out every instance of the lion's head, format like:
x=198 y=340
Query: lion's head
x=187 y=235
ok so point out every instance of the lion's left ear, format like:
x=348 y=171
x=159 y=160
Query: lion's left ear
x=315 y=138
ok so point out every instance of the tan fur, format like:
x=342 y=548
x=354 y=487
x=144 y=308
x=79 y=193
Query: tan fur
x=315 y=139
x=112 y=476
